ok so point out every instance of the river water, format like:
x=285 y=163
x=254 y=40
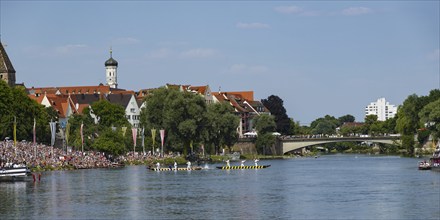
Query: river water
x=328 y=187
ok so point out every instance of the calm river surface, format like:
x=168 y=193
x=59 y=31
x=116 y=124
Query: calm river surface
x=329 y=187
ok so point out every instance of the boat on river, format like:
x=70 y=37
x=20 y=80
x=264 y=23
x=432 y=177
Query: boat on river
x=173 y=169
x=435 y=159
x=423 y=165
x=242 y=167
x=14 y=172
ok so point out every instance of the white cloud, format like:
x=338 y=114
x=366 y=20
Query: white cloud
x=289 y=9
x=434 y=55
x=353 y=11
x=254 y=25
x=126 y=40
x=160 y=53
x=198 y=53
x=69 y=48
x=247 y=69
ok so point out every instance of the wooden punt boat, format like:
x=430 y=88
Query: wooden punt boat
x=242 y=167
x=173 y=169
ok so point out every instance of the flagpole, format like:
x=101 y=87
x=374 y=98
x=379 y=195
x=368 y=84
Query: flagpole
x=82 y=138
x=143 y=139
x=15 y=135
x=35 y=140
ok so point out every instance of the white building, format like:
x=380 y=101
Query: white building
x=382 y=109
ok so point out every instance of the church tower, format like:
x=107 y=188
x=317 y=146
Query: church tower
x=7 y=71
x=111 y=72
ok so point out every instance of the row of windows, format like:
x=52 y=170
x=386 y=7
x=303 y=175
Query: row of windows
x=135 y=117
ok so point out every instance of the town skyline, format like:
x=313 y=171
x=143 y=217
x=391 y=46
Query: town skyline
x=357 y=53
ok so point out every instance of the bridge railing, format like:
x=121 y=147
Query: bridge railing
x=336 y=137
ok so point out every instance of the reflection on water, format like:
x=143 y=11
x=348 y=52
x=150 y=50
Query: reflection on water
x=329 y=187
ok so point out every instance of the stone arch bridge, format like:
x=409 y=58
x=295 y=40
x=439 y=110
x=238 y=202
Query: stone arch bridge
x=291 y=144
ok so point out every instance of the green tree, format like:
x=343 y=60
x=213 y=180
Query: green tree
x=90 y=129
x=430 y=117
x=265 y=126
x=181 y=114
x=110 y=142
x=276 y=108
x=14 y=103
x=6 y=111
x=346 y=118
x=408 y=121
x=325 y=125
x=109 y=114
x=221 y=126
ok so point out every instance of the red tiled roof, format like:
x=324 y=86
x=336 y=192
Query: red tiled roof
x=248 y=95
x=65 y=90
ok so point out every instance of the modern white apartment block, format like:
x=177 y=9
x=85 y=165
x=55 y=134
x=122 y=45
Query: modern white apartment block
x=382 y=109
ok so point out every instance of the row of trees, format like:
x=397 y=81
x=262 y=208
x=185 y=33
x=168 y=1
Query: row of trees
x=189 y=121
x=184 y=116
x=419 y=115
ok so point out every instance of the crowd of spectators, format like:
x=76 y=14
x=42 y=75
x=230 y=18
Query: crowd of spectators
x=51 y=158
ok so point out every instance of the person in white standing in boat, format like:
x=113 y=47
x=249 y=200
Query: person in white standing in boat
x=242 y=163
x=227 y=163
x=189 y=165
x=175 y=165
x=158 y=165
x=256 y=161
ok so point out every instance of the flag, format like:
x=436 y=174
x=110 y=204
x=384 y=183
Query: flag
x=67 y=133
x=134 y=132
x=162 y=135
x=162 y=138
x=34 y=132
x=153 y=137
x=143 y=139
x=52 y=131
x=124 y=129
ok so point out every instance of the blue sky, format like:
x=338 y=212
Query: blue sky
x=320 y=57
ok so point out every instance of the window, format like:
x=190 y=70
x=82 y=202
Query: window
x=132 y=110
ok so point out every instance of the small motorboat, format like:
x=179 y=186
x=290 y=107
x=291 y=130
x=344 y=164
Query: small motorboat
x=14 y=172
x=423 y=165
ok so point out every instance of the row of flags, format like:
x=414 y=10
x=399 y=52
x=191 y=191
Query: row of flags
x=52 y=126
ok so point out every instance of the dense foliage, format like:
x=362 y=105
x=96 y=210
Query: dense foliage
x=418 y=112
x=16 y=105
x=276 y=108
x=188 y=121
x=265 y=126
x=111 y=133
